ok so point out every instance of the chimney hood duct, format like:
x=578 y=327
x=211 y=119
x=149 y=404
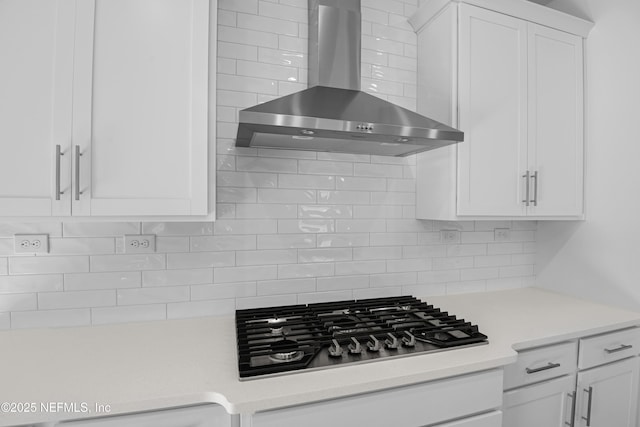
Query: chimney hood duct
x=333 y=115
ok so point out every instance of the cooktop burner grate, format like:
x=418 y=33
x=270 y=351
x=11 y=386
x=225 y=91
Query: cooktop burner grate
x=275 y=340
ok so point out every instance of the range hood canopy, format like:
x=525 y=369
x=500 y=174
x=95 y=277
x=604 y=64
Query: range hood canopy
x=333 y=114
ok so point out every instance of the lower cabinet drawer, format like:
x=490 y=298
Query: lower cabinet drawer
x=542 y=363
x=605 y=348
x=492 y=419
x=411 y=406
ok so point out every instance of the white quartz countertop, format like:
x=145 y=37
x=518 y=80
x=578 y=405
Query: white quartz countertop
x=145 y=366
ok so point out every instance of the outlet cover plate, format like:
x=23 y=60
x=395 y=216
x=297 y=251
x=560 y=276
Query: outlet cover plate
x=450 y=236
x=31 y=243
x=501 y=234
x=139 y=243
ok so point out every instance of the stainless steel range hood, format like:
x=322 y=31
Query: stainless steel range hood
x=333 y=114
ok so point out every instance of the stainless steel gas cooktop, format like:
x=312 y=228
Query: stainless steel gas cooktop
x=286 y=339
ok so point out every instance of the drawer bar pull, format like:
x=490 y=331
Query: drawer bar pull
x=542 y=368
x=621 y=348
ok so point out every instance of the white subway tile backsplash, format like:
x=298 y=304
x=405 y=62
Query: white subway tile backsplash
x=292 y=227
x=99 y=229
x=76 y=299
x=101 y=263
x=223 y=291
x=325 y=211
x=324 y=255
x=344 y=197
x=282 y=11
x=18 y=302
x=183 y=310
x=286 y=226
x=152 y=295
x=30 y=283
x=268 y=210
x=287 y=286
x=265 y=301
x=50 y=318
x=246 y=6
x=193 y=276
x=243 y=274
x=315 y=182
x=177 y=228
x=291 y=271
x=315 y=297
x=270 y=25
x=222 y=243
x=266 y=257
x=8 y=229
x=81 y=246
x=338 y=283
x=359 y=267
x=280 y=241
x=48 y=264
x=125 y=314
x=266 y=164
x=393 y=279
x=360 y=225
x=324 y=167
x=380 y=253
x=110 y=280
x=244 y=226
x=200 y=260
x=341 y=240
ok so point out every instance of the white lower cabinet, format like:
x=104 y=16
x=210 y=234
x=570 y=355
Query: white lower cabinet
x=608 y=395
x=194 y=416
x=547 y=404
x=432 y=403
x=598 y=388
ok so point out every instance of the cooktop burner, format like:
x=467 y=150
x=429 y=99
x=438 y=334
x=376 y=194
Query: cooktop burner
x=284 y=339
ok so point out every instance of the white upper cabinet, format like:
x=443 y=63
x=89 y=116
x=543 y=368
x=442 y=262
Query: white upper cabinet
x=36 y=47
x=515 y=88
x=129 y=83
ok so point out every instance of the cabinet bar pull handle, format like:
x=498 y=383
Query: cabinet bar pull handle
x=621 y=348
x=526 y=176
x=572 y=396
x=542 y=368
x=58 y=154
x=77 y=183
x=588 y=417
x=535 y=188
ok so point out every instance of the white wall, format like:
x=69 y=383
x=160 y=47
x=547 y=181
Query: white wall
x=599 y=258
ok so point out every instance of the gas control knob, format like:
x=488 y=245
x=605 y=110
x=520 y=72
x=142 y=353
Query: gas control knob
x=335 y=349
x=392 y=342
x=409 y=340
x=374 y=344
x=355 y=347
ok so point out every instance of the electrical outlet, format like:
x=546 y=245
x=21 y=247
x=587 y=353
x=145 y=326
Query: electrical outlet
x=139 y=243
x=450 y=236
x=501 y=234
x=31 y=243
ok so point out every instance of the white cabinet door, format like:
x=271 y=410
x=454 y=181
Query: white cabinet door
x=36 y=50
x=196 y=416
x=608 y=395
x=493 y=105
x=140 y=107
x=547 y=404
x=555 y=121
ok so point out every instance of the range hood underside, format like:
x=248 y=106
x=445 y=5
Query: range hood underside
x=289 y=138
